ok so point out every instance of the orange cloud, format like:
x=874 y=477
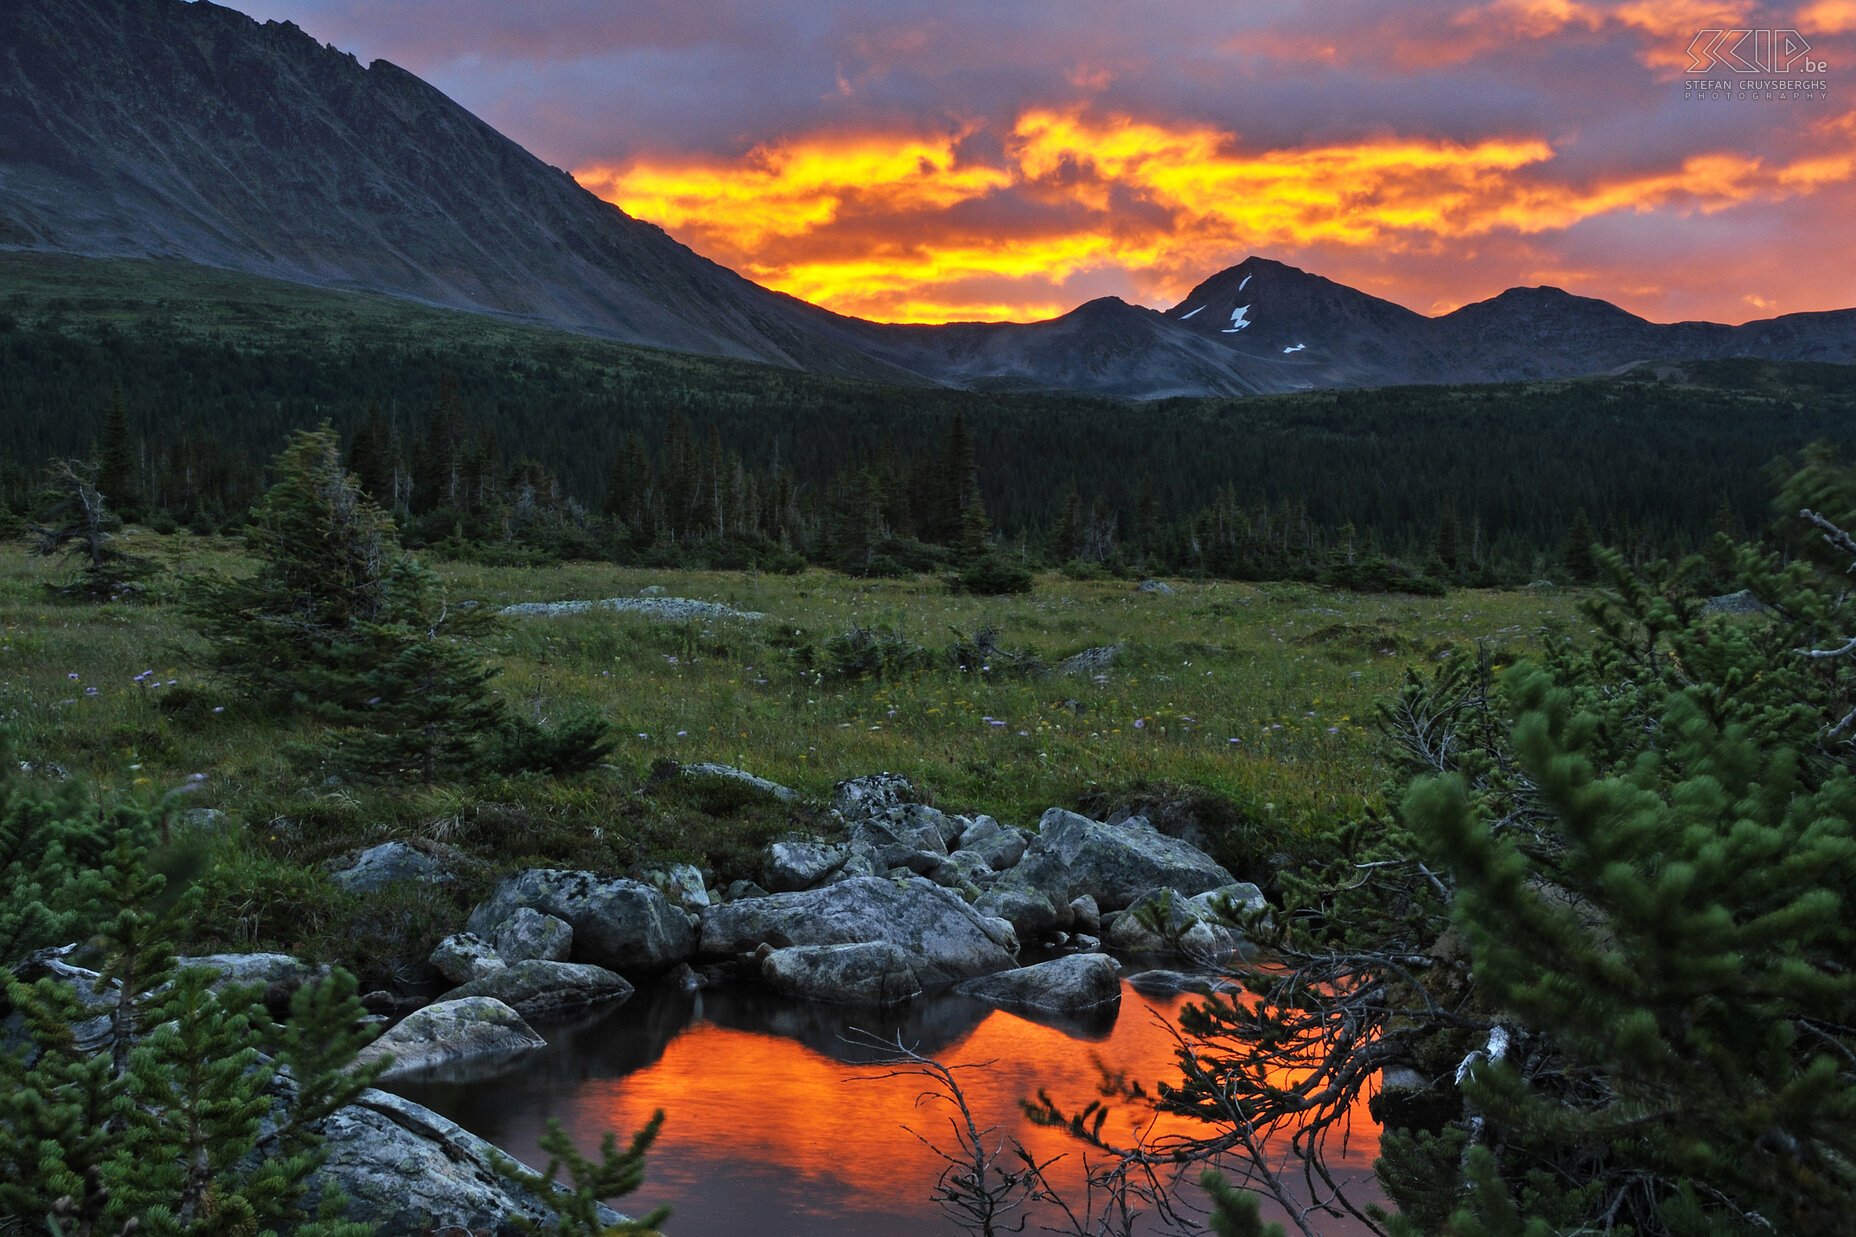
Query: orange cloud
x=794 y=188
x=907 y=228
x=1828 y=17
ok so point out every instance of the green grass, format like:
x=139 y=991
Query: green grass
x=1256 y=697
x=1255 y=692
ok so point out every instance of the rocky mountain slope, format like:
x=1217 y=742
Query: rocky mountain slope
x=160 y=128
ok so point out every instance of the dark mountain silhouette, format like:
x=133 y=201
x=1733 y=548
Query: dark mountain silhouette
x=159 y=128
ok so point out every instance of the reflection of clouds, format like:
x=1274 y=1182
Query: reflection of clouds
x=739 y=1096
x=869 y=153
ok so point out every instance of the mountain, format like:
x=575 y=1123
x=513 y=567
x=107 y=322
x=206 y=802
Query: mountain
x=158 y=128
x=168 y=129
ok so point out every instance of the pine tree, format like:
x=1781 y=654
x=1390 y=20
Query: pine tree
x=426 y=708
x=1576 y=557
x=117 y=475
x=323 y=551
x=178 y=1122
x=372 y=457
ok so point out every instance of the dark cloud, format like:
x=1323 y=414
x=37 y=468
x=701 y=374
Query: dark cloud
x=1672 y=206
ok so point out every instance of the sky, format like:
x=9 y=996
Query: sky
x=1010 y=159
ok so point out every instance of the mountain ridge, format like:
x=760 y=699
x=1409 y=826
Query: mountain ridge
x=162 y=128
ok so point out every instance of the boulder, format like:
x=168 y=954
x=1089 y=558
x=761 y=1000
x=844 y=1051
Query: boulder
x=1031 y=912
x=278 y=975
x=729 y=773
x=622 y=925
x=452 y=1030
x=876 y=974
x=1065 y=986
x=390 y=863
x=963 y=870
x=792 y=866
x=1159 y=588
x=1115 y=864
x=531 y=934
x=1085 y=915
x=909 y=837
x=857 y=863
x=464 y=956
x=410 y=1172
x=866 y=796
x=680 y=882
x=1169 y=983
x=999 y=845
x=1164 y=922
x=538 y=989
x=944 y=938
x=743 y=889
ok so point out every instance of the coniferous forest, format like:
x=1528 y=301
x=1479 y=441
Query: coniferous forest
x=506 y=440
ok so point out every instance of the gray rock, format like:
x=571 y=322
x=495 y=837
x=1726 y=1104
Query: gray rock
x=1231 y=902
x=1085 y=915
x=1003 y=934
x=1179 y=925
x=1073 y=855
x=902 y=837
x=866 y=796
x=624 y=926
x=876 y=974
x=1742 y=602
x=680 y=882
x=999 y=845
x=1072 y=985
x=963 y=870
x=530 y=934
x=857 y=863
x=277 y=974
x=411 y=1172
x=792 y=866
x=1158 y=587
x=1091 y=660
x=467 y=1027
x=390 y=863
x=1169 y=983
x=464 y=956
x=784 y=794
x=658 y=609
x=944 y=938
x=537 y=989
x=742 y=889
x=204 y=822
x=94 y=997
x=1031 y=912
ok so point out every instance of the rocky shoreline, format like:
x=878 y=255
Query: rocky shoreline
x=905 y=900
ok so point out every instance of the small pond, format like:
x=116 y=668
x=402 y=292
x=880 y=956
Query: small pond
x=772 y=1128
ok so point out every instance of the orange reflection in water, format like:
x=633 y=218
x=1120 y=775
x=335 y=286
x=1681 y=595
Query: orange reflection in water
x=832 y=1136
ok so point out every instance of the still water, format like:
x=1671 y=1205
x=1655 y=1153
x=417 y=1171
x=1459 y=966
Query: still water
x=774 y=1130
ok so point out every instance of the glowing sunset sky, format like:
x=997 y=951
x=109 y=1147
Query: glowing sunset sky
x=1013 y=158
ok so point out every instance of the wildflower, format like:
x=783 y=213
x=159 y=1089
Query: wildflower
x=93 y=691
x=683 y=734
x=219 y=708
x=1140 y=723
x=196 y=777
x=72 y=676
